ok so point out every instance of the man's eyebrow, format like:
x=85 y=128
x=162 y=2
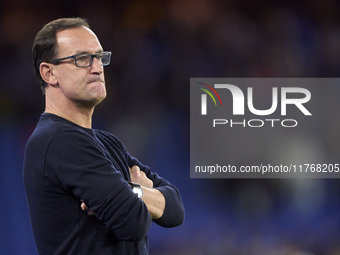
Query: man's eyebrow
x=87 y=52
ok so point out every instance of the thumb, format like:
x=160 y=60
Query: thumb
x=134 y=170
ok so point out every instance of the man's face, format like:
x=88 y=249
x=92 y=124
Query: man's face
x=83 y=86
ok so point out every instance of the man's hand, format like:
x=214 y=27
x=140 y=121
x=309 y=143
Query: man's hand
x=153 y=198
x=138 y=176
x=84 y=207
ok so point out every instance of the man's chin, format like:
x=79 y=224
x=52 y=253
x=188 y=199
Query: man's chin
x=91 y=102
x=98 y=90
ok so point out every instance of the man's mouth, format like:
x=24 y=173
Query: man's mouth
x=96 y=79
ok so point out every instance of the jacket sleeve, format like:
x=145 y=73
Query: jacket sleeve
x=81 y=167
x=174 y=210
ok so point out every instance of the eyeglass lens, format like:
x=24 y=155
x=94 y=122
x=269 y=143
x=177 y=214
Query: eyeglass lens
x=86 y=59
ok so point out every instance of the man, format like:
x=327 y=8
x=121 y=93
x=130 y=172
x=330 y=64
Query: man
x=86 y=193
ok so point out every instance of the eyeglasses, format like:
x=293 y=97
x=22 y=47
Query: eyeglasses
x=85 y=60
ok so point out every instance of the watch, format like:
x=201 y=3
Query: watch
x=137 y=189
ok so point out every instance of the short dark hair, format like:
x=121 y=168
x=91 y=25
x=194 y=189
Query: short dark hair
x=45 y=46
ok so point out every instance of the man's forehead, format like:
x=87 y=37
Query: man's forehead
x=76 y=37
x=75 y=30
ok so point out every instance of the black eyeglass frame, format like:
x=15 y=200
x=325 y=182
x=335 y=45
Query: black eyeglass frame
x=56 y=61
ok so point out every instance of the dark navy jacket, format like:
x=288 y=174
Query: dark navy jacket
x=65 y=163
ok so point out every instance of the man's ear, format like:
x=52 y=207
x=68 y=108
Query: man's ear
x=46 y=72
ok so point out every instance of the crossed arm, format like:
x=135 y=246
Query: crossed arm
x=153 y=198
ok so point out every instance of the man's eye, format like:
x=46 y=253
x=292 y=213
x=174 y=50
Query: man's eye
x=99 y=57
x=83 y=58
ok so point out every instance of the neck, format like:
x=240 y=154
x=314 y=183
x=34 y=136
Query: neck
x=77 y=114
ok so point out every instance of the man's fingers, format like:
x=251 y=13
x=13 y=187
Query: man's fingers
x=134 y=170
x=83 y=206
x=140 y=177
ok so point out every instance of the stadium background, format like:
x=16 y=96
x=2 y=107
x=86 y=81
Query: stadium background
x=156 y=47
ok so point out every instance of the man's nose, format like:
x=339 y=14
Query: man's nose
x=96 y=66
